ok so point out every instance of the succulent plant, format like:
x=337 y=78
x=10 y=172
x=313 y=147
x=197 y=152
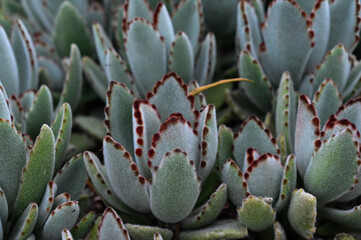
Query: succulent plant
x=153 y=42
x=264 y=56
x=34 y=191
x=328 y=157
x=157 y=163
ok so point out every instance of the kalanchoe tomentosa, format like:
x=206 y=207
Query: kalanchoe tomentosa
x=153 y=42
x=294 y=36
x=156 y=162
x=34 y=196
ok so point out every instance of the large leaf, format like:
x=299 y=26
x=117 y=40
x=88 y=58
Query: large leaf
x=175 y=187
x=332 y=169
x=146 y=53
x=349 y=217
x=37 y=172
x=69 y=28
x=124 y=176
x=12 y=160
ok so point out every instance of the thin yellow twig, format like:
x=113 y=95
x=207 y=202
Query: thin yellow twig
x=198 y=90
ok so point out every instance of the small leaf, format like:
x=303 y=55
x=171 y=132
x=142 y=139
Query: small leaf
x=81 y=229
x=112 y=227
x=302 y=213
x=69 y=28
x=173 y=195
x=181 y=57
x=137 y=9
x=5 y=111
x=225 y=143
x=92 y=125
x=208 y=212
x=206 y=61
x=25 y=225
x=178 y=101
x=4 y=210
x=73 y=81
x=102 y=43
x=66 y=235
x=46 y=204
x=64 y=216
x=72 y=177
x=280 y=233
x=140 y=232
x=236 y=183
x=222 y=229
x=95 y=77
x=256 y=213
x=349 y=217
x=41 y=112
x=163 y=23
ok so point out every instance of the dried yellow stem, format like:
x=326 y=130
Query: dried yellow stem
x=197 y=91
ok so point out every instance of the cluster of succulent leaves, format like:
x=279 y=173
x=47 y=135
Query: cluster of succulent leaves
x=165 y=167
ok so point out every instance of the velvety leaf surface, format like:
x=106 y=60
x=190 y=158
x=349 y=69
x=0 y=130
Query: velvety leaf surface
x=101 y=42
x=61 y=127
x=291 y=55
x=61 y=199
x=307 y=134
x=12 y=147
x=350 y=112
x=101 y=184
x=112 y=227
x=343 y=28
x=178 y=101
x=46 y=204
x=124 y=176
x=188 y=18
x=146 y=122
x=116 y=70
x=327 y=100
x=208 y=140
x=302 y=213
x=69 y=28
x=286 y=111
x=181 y=57
x=260 y=91
x=72 y=177
x=95 y=77
x=225 y=142
x=37 y=172
x=335 y=66
x=4 y=210
x=73 y=80
x=118 y=114
x=66 y=235
x=25 y=224
x=163 y=23
x=280 y=233
x=137 y=8
x=253 y=134
x=91 y=125
x=64 y=216
x=174 y=133
x=9 y=68
x=82 y=228
x=173 y=195
x=26 y=58
x=41 y=112
x=332 y=169
x=350 y=217
x=352 y=81
x=222 y=229
x=266 y=169
x=205 y=63
x=5 y=112
x=147 y=232
x=256 y=213
x=209 y=211
x=289 y=181
x=146 y=53
x=236 y=184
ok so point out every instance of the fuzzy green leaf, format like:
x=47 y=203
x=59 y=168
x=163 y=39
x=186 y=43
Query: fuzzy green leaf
x=256 y=213
x=25 y=225
x=92 y=125
x=112 y=227
x=302 y=213
x=66 y=235
x=173 y=195
x=4 y=210
x=95 y=77
x=81 y=229
x=102 y=43
x=349 y=217
x=37 y=172
x=140 y=232
x=163 y=23
x=46 y=204
x=70 y=28
x=72 y=177
x=138 y=8
x=206 y=61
